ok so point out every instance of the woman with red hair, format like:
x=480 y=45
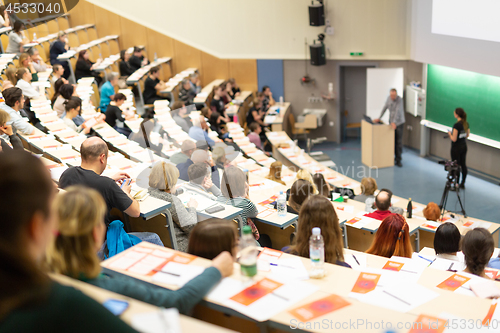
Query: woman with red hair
x=392 y=238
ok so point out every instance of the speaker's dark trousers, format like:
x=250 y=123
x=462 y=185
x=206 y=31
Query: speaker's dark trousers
x=398 y=143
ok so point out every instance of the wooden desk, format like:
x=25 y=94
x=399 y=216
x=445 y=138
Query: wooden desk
x=206 y=92
x=135 y=307
x=277 y=121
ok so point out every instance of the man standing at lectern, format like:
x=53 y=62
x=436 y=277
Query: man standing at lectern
x=397 y=120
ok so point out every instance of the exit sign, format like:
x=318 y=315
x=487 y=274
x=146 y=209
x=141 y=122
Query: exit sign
x=356 y=54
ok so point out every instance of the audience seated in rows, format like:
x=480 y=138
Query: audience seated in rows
x=200 y=181
x=61 y=95
x=368 y=188
x=31 y=301
x=17 y=39
x=94 y=154
x=186 y=93
x=57 y=48
x=219 y=156
x=7 y=130
x=180 y=116
x=138 y=60
x=447 y=241
x=145 y=129
x=81 y=231
x=86 y=68
x=116 y=117
x=73 y=108
x=108 y=91
x=162 y=182
x=382 y=203
x=195 y=81
x=199 y=131
x=432 y=212
x=25 y=62
x=187 y=149
x=392 y=238
x=318 y=212
x=36 y=60
x=153 y=85
x=23 y=77
x=14 y=103
x=322 y=185
x=217 y=104
x=212 y=237
x=125 y=67
x=57 y=73
x=256 y=114
x=275 y=172
x=477 y=246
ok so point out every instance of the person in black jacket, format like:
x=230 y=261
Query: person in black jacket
x=7 y=130
x=126 y=68
x=152 y=86
x=85 y=67
x=137 y=60
x=114 y=114
x=60 y=46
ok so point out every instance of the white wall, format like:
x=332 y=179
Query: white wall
x=464 y=53
x=274 y=29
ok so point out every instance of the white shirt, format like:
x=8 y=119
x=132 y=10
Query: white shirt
x=19 y=124
x=28 y=90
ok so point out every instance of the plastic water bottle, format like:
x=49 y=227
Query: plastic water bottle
x=248 y=253
x=34 y=36
x=317 y=254
x=156 y=57
x=281 y=204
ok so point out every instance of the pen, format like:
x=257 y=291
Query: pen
x=399 y=299
x=431 y=261
x=273 y=264
x=279 y=296
x=449 y=268
x=160 y=271
x=356 y=260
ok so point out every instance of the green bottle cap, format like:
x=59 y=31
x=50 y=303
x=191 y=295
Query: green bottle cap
x=247 y=230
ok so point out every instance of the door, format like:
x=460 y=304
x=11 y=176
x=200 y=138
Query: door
x=353 y=95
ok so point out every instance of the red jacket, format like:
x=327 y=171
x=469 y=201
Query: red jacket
x=379 y=214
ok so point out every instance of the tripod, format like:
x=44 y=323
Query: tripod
x=444 y=198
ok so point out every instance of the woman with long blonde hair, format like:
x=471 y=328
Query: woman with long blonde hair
x=81 y=230
x=318 y=211
x=392 y=238
x=275 y=172
x=306 y=175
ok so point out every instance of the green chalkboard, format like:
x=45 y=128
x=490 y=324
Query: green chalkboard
x=478 y=94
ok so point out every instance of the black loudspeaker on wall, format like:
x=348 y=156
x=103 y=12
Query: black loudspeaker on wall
x=316 y=15
x=318 y=57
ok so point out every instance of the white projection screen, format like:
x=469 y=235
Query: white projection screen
x=379 y=82
x=477 y=19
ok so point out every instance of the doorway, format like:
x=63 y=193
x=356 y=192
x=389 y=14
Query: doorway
x=352 y=99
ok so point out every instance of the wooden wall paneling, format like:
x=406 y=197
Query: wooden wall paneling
x=185 y=57
x=106 y=22
x=131 y=34
x=213 y=68
x=83 y=13
x=163 y=46
x=244 y=71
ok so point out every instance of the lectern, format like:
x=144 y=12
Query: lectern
x=377 y=145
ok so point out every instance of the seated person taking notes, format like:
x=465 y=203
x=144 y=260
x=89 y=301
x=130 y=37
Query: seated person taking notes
x=200 y=181
x=152 y=86
x=94 y=152
x=115 y=117
x=164 y=188
x=81 y=232
x=447 y=241
x=199 y=131
x=108 y=91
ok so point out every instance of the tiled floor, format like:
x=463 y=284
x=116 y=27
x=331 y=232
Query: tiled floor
x=421 y=179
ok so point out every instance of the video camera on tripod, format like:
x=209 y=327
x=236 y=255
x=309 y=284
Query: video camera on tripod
x=453 y=170
x=451 y=184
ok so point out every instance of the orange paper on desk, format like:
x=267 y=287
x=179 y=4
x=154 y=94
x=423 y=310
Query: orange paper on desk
x=354 y=220
x=256 y=291
x=491 y=273
x=365 y=283
x=468 y=224
x=428 y=324
x=433 y=227
x=271 y=252
x=393 y=266
x=453 y=282
x=318 y=308
x=491 y=311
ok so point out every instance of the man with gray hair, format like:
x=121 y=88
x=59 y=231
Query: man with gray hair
x=199 y=131
x=201 y=182
x=199 y=156
x=397 y=121
x=187 y=149
x=108 y=91
x=186 y=94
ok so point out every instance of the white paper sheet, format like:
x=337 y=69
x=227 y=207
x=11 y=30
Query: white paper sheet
x=177 y=274
x=164 y=320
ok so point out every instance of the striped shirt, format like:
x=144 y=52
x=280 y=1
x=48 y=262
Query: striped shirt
x=249 y=208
